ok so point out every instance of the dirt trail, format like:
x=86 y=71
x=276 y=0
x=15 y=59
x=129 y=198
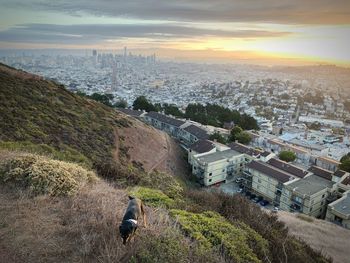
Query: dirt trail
x=321 y=235
x=154 y=149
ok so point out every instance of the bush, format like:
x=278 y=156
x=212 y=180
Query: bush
x=287 y=156
x=66 y=153
x=152 y=197
x=44 y=176
x=212 y=230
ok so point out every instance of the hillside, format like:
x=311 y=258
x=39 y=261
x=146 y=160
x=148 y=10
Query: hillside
x=36 y=111
x=333 y=240
x=57 y=149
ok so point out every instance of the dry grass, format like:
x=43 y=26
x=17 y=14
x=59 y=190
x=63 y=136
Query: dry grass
x=331 y=239
x=84 y=228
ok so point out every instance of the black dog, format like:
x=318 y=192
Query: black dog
x=132 y=214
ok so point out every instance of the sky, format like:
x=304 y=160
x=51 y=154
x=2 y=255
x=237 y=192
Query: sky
x=253 y=31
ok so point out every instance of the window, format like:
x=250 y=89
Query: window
x=321 y=210
x=322 y=203
x=194 y=167
x=209 y=180
x=323 y=195
x=310 y=209
x=223 y=170
x=210 y=174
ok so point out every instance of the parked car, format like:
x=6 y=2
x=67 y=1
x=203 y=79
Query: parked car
x=239 y=180
x=252 y=196
x=248 y=194
x=264 y=202
x=257 y=199
x=275 y=209
x=240 y=190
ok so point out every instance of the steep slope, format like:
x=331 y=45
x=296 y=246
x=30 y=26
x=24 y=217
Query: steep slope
x=50 y=213
x=42 y=112
x=333 y=240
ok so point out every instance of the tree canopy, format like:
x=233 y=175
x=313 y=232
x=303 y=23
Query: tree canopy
x=287 y=156
x=215 y=115
x=217 y=137
x=345 y=163
x=141 y=103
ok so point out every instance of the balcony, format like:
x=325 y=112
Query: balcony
x=247 y=173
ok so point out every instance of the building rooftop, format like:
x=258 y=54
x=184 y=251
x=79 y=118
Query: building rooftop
x=292 y=169
x=265 y=153
x=165 y=119
x=196 y=131
x=202 y=146
x=271 y=171
x=310 y=185
x=339 y=173
x=342 y=205
x=321 y=172
x=346 y=181
x=134 y=113
x=241 y=148
x=217 y=156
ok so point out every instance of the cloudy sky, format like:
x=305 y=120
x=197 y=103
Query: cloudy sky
x=310 y=31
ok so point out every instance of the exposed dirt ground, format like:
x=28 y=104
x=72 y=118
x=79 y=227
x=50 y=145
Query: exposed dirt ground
x=329 y=238
x=154 y=149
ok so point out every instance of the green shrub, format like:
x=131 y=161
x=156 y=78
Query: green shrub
x=240 y=242
x=152 y=197
x=171 y=246
x=66 y=153
x=44 y=176
x=163 y=181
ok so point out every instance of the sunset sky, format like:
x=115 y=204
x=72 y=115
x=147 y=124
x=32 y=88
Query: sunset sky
x=273 y=31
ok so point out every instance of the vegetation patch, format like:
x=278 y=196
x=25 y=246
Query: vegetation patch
x=42 y=175
x=163 y=181
x=212 y=230
x=305 y=218
x=152 y=197
x=65 y=153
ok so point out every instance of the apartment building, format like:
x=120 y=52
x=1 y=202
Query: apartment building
x=216 y=167
x=199 y=148
x=307 y=195
x=338 y=212
x=267 y=180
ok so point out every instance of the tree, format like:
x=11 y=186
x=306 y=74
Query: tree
x=217 y=137
x=171 y=109
x=244 y=138
x=345 y=163
x=103 y=98
x=234 y=133
x=287 y=156
x=121 y=104
x=141 y=103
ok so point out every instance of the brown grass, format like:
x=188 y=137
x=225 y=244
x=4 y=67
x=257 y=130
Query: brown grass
x=324 y=236
x=84 y=228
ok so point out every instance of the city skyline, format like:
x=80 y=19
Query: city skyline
x=272 y=32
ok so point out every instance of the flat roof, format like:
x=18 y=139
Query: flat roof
x=202 y=146
x=310 y=185
x=165 y=119
x=292 y=169
x=271 y=171
x=343 y=205
x=238 y=147
x=196 y=131
x=323 y=173
x=217 y=156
